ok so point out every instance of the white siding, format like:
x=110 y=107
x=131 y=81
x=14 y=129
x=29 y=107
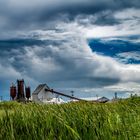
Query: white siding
x=35 y=98
x=42 y=95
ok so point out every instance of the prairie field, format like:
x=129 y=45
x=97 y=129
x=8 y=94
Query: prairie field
x=72 y=121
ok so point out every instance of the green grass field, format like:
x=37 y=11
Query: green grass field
x=72 y=121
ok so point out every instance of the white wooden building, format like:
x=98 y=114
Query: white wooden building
x=42 y=95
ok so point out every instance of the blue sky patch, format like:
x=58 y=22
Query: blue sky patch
x=122 y=49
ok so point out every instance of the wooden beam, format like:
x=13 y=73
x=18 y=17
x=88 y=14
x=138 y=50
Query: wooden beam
x=62 y=94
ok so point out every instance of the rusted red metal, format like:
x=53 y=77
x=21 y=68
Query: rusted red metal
x=28 y=92
x=13 y=92
x=20 y=86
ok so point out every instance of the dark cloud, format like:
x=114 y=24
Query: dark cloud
x=101 y=19
x=23 y=16
x=62 y=57
x=35 y=58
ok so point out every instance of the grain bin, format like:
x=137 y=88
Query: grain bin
x=13 y=92
x=28 y=92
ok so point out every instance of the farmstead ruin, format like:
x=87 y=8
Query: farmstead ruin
x=43 y=94
x=20 y=92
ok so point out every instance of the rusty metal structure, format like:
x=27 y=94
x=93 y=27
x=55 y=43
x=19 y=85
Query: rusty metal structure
x=20 y=86
x=28 y=92
x=20 y=93
x=13 y=91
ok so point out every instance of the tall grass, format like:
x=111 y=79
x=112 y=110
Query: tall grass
x=73 y=121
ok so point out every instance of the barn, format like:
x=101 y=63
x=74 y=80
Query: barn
x=41 y=94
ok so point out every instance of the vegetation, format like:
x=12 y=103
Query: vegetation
x=72 y=121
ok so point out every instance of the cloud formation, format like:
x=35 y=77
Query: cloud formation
x=19 y=16
x=65 y=59
x=46 y=41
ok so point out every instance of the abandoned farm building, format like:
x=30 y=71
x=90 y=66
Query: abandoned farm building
x=42 y=95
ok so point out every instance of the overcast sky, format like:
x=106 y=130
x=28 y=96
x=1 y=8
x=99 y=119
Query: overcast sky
x=77 y=44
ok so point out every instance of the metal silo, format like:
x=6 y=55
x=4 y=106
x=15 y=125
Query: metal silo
x=20 y=86
x=13 y=92
x=28 y=92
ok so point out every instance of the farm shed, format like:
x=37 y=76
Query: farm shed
x=41 y=94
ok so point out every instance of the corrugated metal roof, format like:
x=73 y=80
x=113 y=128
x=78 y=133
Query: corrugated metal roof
x=39 y=88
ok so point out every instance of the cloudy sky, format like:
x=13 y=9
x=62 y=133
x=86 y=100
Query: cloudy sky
x=90 y=46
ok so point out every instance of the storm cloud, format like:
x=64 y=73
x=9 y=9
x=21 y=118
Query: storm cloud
x=17 y=16
x=68 y=60
x=48 y=41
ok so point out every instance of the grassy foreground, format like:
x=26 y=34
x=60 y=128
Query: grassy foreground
x=73 y=121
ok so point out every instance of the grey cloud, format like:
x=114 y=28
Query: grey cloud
x=62 y=57
x=67 y=62
x=24 y=15
x=100 y=19
x=63 y=63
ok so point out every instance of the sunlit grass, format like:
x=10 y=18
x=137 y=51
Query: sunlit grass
x=72 y=121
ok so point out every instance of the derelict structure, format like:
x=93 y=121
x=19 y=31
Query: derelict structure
x=20 y=92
